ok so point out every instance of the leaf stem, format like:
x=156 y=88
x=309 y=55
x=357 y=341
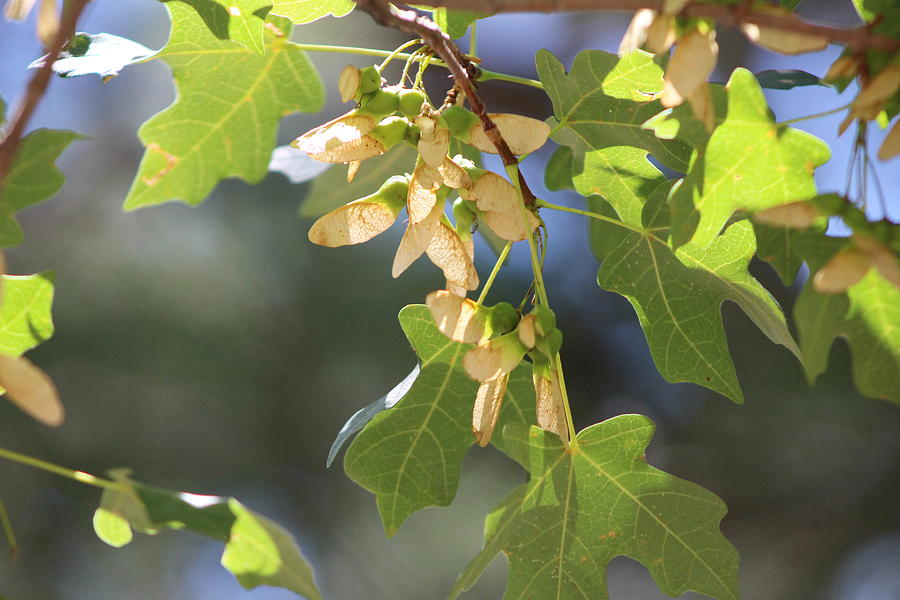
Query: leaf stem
x=473 y=39
x=8 y=529
x=816 y=115
x=485 y=74
x=513 y=172
x=490 y=280
x=586 y=213
x=79 y=476
x=396 y=53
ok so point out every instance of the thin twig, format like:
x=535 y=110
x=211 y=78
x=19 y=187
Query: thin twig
x=858 y=38
x=462 y=69
x=38 y=86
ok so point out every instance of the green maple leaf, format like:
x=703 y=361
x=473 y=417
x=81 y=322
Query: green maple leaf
x=677 y=294
x=306 y=11
x=455 y=23
x=32 y=178
x=749 y=163
x=241 y=21
x=25 y=319
x=410 y=455
x=257 y=550
x=604 y=100
x=224 y=119
x=599 y=499
x=867 y=316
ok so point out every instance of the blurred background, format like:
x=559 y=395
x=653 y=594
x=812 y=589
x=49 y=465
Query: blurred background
x=215 y=350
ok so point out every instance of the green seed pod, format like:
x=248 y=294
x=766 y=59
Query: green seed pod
x=390 y=131
x=392 y=192
x=550 y=344
x=379 y=104
x=503 y=318
x=463 y=216
x=546 y=319
x=369 y=80
x=411 y=102
x=460 y=122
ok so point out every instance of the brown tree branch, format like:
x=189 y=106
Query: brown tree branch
x=857 y=38
x=464 y=72
x=37 y=86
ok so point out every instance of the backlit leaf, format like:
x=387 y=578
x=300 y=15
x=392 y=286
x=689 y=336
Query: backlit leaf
x=32 y=178
x=603 y=101
x=455 y=23
x=749 y=163
x=306 y=11
x=25 y=319
x=257 y=551
x=584 y=505
x=100 y=54
x=213 y=130
x=866 y=315
x=677 y=294
x=410 y=456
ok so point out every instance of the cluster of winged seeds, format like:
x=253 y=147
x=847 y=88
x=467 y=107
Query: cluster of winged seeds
x=385 y=116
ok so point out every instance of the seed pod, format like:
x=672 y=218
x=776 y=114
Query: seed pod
x=494 y=358
x=17 y=10
x=460 y=319
x=453 y=175
x=488 y=401
x=369 y=80
x=880 y=256
x=785 y=42
x=507 y=224
x=411 y=101
x=361 y=220
x=702 y=106
x=844 y=269
x=29 y=388
x=502 y=318
x=459 y=120
x=448 y=253
x=379 y=103
x=348 y=82
x=491 y=192
x=522 y=134
x=693 y=61
x=551 y=415
x=47 y=23
x=842 y=71
x=424 y=207
x=890 y=147
x=798 y=215
x=434 y=141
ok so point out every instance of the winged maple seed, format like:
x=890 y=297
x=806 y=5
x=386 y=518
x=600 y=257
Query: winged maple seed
x=488 y=402
x=361 y=220
x=460 y=319
x=798 y=215
x=29 y=388
x=873 y=97
x=550 y=410
x=853 y=262
x=693 y=61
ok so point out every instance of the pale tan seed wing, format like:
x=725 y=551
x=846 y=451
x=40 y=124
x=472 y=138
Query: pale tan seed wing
x=798 y=215
x=416 y=239
x=364 y=148
x=880 y=89
x=335 y=133
x=693 y=61
x=348 y=82
x=17 y=10
x=434 y=150
x=457 y=318
x=551 y=415
x=352 y=170
x=887 y=264
x=660 y=35
x=702 y=106
x=493 y=192
x=422 y=194
x=890 y=147
x=448 y=253
x=488 y=401
x=48 y=22
x=785 y=42
x=453 y=176
x=525 y=330
x=636 y=34
x=523 y=134
x=507 y=224
x=352 y=223
x=484 y=362
x=843 y=270
x=29 y=388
